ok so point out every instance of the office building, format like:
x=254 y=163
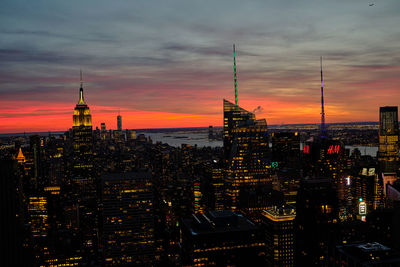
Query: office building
x=221 y=238
x=388 y=153
x=248 y=161
x=128 y=226
x=38 y=216
x=279 y=228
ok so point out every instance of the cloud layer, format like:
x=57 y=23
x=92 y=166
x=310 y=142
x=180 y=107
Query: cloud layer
x=169 y=63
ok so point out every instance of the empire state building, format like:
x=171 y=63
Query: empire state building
x=84 y=193
x=83 y=145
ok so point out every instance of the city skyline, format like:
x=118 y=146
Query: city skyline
x=166 y=69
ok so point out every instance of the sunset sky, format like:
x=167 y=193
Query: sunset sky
x=170 y=63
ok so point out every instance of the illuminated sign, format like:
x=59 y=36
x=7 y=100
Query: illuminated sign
x=306 y=149
x=333 y=149
x=197 y=197
x=274 y=164
x=348 y=181
x=362 y=208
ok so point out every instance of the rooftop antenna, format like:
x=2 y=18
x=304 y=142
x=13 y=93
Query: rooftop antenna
x=81 y=78
x=323 y=129
x=234 y=73
x=81 y=99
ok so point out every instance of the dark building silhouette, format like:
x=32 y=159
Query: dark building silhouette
x=285 y=149
x=13 y=233
x=119 y=122
x=317 y=212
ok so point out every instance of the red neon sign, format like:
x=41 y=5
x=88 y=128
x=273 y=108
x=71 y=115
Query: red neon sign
x=334 y=149
x=306 y=149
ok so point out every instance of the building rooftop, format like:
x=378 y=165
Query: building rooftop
x=369 y=253
x=222 y=221
x=280 y=213
x=374 y=246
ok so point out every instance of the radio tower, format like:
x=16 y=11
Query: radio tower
x=234 y=74
x=323 y=129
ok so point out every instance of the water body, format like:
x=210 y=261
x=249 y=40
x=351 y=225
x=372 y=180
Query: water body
x=176 y=139
x=365 y=150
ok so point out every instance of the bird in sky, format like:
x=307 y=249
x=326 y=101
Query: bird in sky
x=372 y=4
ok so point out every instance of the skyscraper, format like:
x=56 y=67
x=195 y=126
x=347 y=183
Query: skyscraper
x=119 y=122
x=246 y=141
x=246 y=152
x=279 y=235
x=388 y=154
x=84 y=190
x=233 y=117
x=83 y=145
x=128 y=226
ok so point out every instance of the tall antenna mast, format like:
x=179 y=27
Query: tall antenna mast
x=234 y=73
x=81 y=99
x=323 y=129
x=81 y=78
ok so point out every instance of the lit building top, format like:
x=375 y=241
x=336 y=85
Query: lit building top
x=20 y=157
x=280 y=213
x=81 y=115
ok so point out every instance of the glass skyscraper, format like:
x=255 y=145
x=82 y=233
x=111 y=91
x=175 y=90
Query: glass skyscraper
x=388 y=154
x=246 y=151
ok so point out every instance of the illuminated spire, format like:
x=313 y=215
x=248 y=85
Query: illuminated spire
x=323 y=129
x=81 y=99
x=234 y=73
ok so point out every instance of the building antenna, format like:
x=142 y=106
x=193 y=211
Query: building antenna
x=81 y=99
x=234 y=73
x=323 y=129
x=81 y=79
